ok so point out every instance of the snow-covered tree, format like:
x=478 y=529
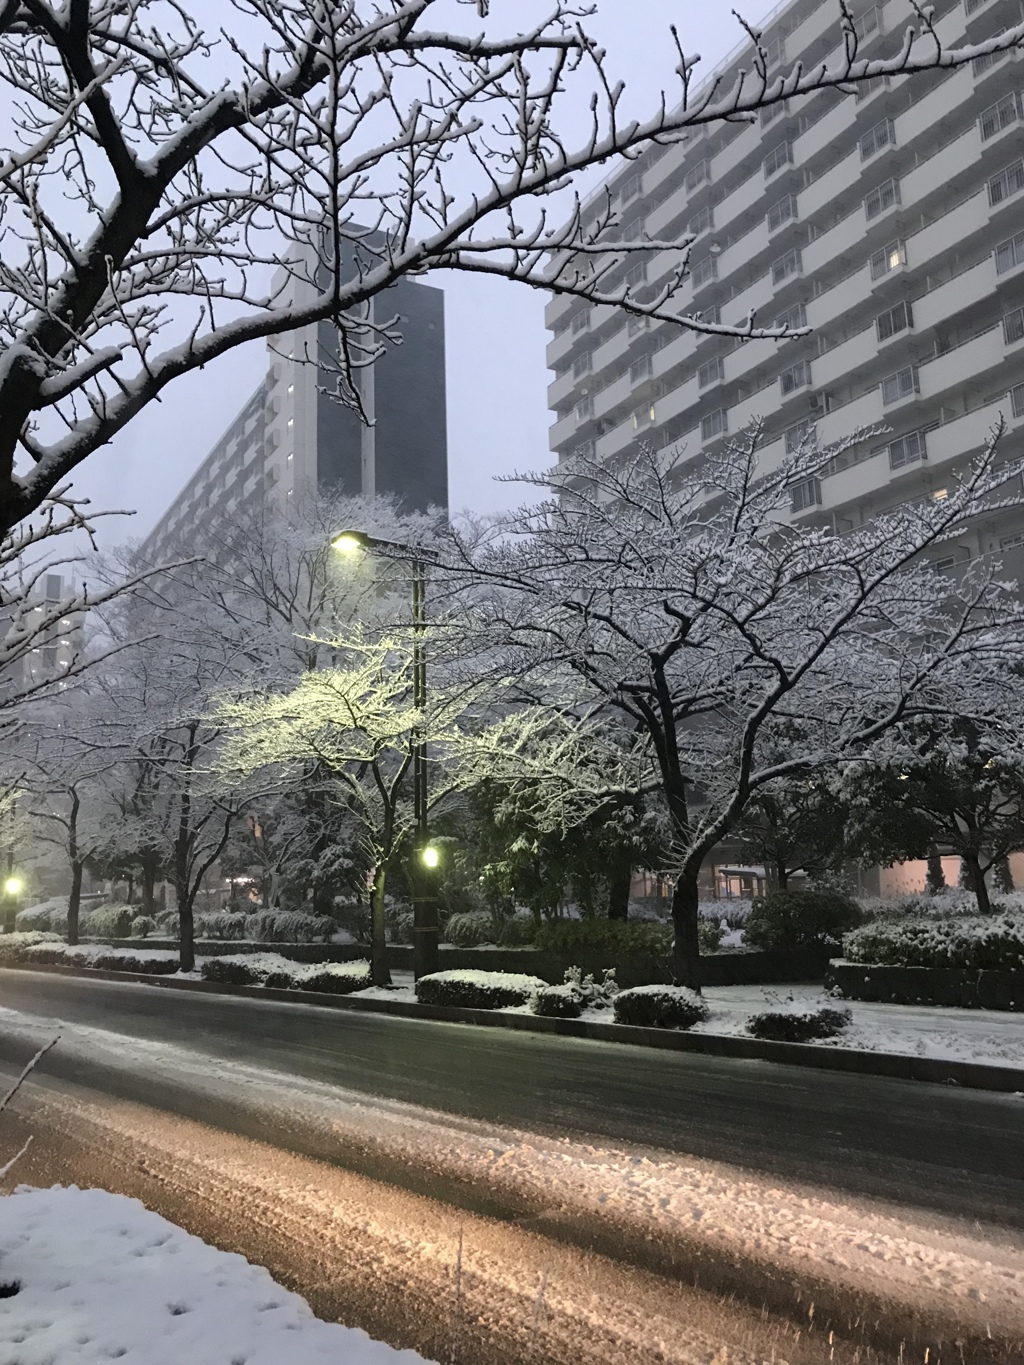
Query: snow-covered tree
x=162 y=157
x=688 y=603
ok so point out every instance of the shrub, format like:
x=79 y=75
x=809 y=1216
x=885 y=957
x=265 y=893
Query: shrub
x=660 y=1007
x=245 y=969
x=559 y=1002
x=13 y=946
x=280 y=973
x=108 y=921
x=354 y=919
x=168 y=924
x=288 y=926
x=477 y=990
x=225 y=926
x=518 y=931
x=609 y=938
x=337 y=978
x=709 y=935
x=792 y=1026
x=49 y=916
x=801 y=919
x=142 y=926
x=94 y=955
x=469 y=929
x=971 y=944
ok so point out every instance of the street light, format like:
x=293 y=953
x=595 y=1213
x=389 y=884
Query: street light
x=426 y=930
x=13 y=886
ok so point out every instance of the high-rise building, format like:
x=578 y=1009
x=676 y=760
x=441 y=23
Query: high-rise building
x=54 y=650
x=890 y=220
x=292 y=436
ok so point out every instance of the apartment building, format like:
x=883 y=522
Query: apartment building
x=292 y=436
x=890 y=221
x=52 y=652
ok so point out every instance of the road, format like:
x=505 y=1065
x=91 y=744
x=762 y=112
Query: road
x=951 y=1151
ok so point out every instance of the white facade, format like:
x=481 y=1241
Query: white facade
x=891 y=222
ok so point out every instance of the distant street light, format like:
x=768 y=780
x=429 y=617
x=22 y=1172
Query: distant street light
x=13 y=886
x=426 y=930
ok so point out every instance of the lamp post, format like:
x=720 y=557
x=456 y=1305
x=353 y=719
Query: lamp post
x=426 y=931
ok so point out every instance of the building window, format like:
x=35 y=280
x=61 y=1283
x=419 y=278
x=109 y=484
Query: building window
x=881 y=135
x=1009 y=254
x=865 y=89
x=793 y=317
x=631 y=189
x=704 y=272
x=1006 y=184
x=54 y=586
x=900 y=385
x=703 y=222
x=777 y=159
x=982 y=64
x=637 y=325
x=636 y=274
x=869 y=23
x=773 y=111
x=640 y=369
x=1013 y=326
x=711 y=315
x=643 y=416
x=971 y=5
x=585 y=450
x=907 y=449
x=775 y=53
x=887 y=196
x=1011 y=542
x=1000 y=116
x=786 y=266
x=583 y=364
x=781 y=212
x=711 y=373
x=697 y=175
x=580 y=322
x=806 y=493
x=799 y=437
x=889 y=258
x=714 y=424
x=584 y=409
x=796 y=377
x=893 y=321
x=1017 y=398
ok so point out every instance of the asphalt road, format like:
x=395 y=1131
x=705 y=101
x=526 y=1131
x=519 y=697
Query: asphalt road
x=958 y=1152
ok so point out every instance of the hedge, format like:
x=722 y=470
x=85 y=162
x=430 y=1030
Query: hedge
x=478 y=990
x=281 y=973
x=970 y=944
x=795 y=1026
x=660 y=1007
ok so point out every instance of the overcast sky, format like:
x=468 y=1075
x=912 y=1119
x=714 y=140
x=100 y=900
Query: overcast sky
x=497 y=379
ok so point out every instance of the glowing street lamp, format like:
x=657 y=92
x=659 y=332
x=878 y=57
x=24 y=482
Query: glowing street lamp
x=426 y=930
x=13 y=886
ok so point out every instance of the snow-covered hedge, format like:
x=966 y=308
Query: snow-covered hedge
x=142 y=926
x=12 y=946
x=478 y=990
x=660 y=1007
x=798 y=1026
x=265 y=926
x=971 y=944
x=280 y=973
x=47 y=917
x=156 y=961
x=610 y=938
x=576 y=993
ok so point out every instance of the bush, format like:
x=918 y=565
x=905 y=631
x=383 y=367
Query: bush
x=226 y=925
x=610 y=938
x=478 y=990
x=108 y=921
x=13 y=946
x=660 y=1007
x=94 y=955
x=470 y=929
x=558 y=1002
x=801 y=919
x=970 y=944
x=244 y=969
x=709 y=935
x=48 y=917
x=280 y=973
x=142 y=926
x=354 y=919
x=518 y=930
x=288 y=926
x=337 y=978
x=792 y=1026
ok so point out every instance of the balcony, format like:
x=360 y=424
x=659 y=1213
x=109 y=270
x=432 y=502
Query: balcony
x=935 y=307
x=835 y=303
x=847 y=358
x=832 y=188
x=966 y=435
x=981 y=355
x=956 y=161
x=865 y=411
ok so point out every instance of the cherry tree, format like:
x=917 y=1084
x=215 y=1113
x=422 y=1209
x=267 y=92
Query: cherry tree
x=160 y=166
x=691 y=605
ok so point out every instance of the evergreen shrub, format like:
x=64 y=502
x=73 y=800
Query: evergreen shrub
x=475 y=990
x=610 y=938
x=660 y=1007
x=794 y=1026
x=801 y=919
x=981 y=943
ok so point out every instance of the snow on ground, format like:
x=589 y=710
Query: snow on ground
x=101 y=1277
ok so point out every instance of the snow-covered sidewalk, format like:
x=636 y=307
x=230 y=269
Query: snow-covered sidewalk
x=101 y=1277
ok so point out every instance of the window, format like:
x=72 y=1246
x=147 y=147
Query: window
x=865 y=89
x=643 y=416
x=713 y=424
x=1000 y=116
x=774 y=53
x=893 y=321
x=1011 y=542
x=889 y=258
x=900 y=385
x=1013 y=326
x=793 y=317
x=781 y=212
x=711 y=373
x=799 y=437
x=631 y=189
x=583 y=364
x=907 y=450
x=637 y=325
x=54 y=586
x=1006 y=184
x=580 y=322
x=881 y=135
x=796 y=377
x=775 y=160
x=697 y=175
x=704 y=272
x=982 y=64
x=1017 y=398
x=584 y=409
x=773 y=111
x=806 y=493
x=971 y=5
x=869 y=23
x=585 y=450
x=636 y=274
x=786 y=266
x=703 y=222
x=1009 y=254
x=640 y=369
x=887 y=196
x=712 y=315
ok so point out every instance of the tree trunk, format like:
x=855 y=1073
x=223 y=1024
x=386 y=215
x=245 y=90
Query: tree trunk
x=1002 y=877
x=186 y=928
x=685 y=919
x=147 y=882
x=379 y=974
x=936 y=876
x=974 y=880
x=618 y=892
x=75 y=900
x=781 y=876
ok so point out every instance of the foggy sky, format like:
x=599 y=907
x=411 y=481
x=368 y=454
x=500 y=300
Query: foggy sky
x=497 y=379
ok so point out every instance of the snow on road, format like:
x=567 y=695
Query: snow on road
x=946 y=1272
x=101 y=1277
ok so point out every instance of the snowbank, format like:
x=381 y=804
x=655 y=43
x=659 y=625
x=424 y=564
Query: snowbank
x=101 y=1277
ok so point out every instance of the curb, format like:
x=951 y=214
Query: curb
x=936 y=1070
